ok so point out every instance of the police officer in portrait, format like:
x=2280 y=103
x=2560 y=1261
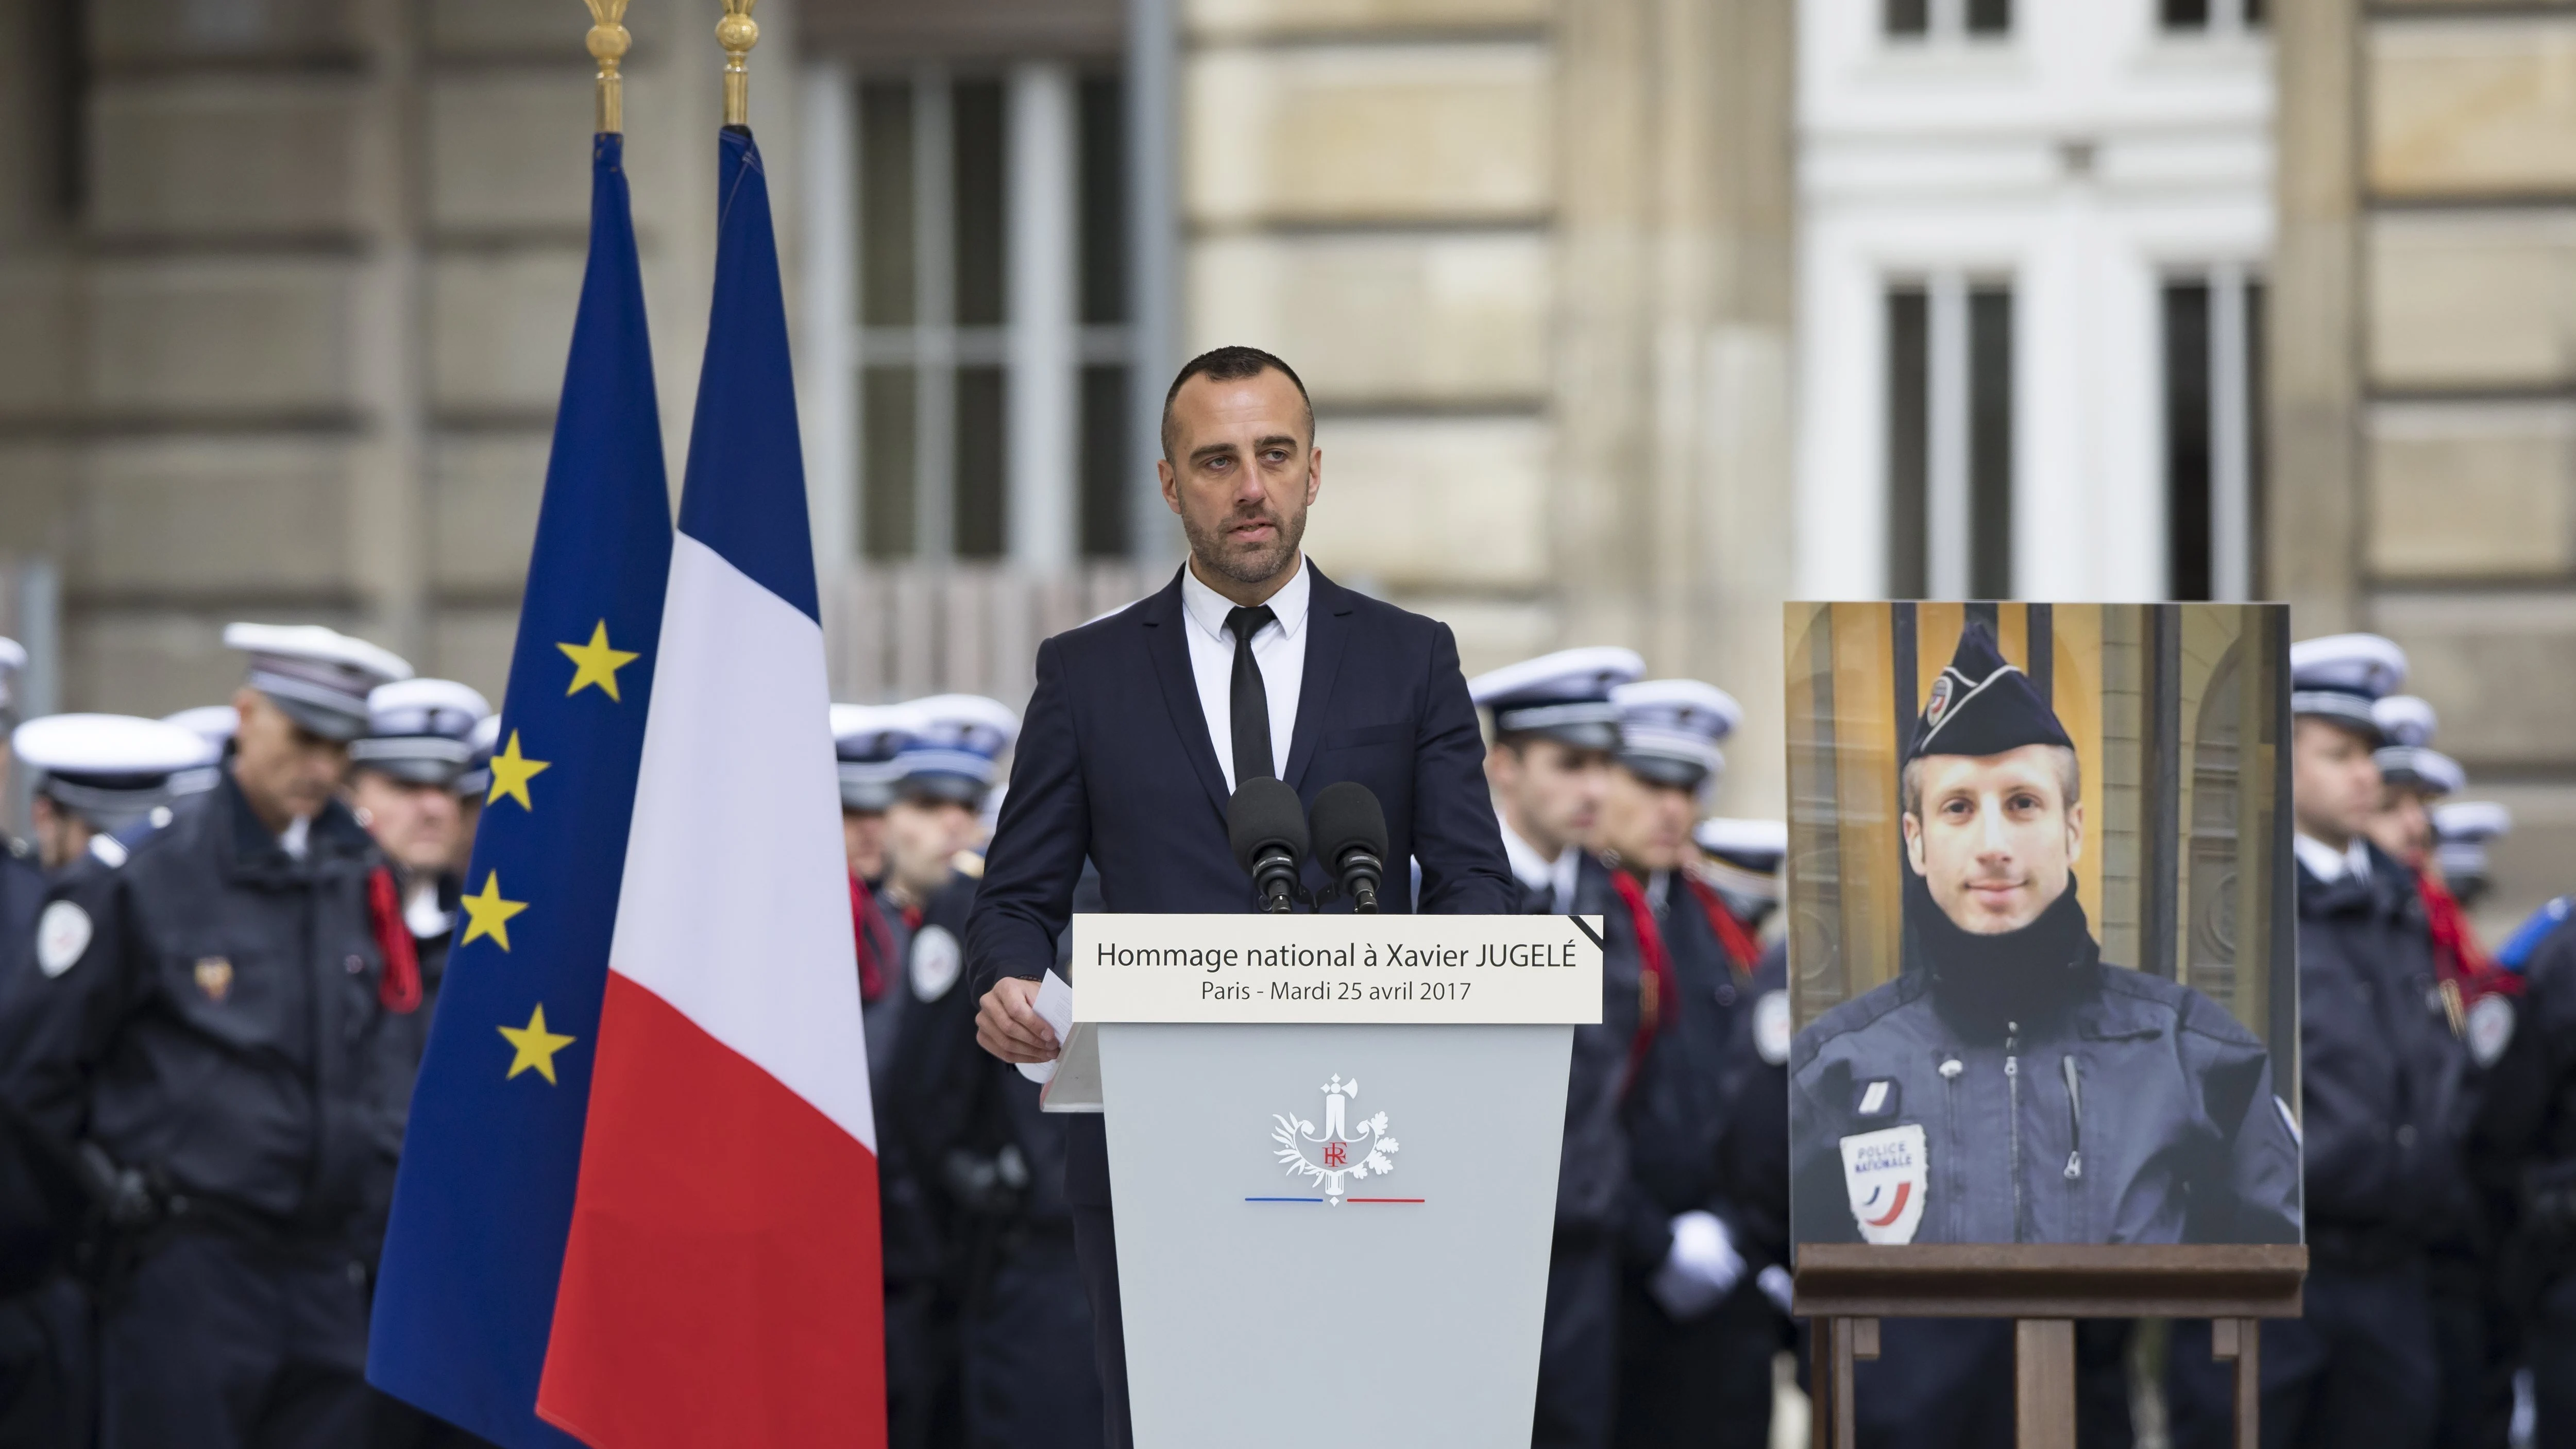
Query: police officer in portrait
x=212 y=1028
x=2385 y=1091
x=2010 y=1086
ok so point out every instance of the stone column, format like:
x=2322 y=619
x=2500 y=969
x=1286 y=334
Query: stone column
x=2312 y=336
x=1672 y=379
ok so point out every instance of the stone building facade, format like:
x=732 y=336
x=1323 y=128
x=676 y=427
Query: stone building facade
x=285 y=287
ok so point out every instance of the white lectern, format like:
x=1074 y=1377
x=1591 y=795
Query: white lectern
x=1333 y=1150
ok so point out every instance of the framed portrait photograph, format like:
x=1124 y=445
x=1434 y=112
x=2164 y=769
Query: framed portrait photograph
x=2042 y=947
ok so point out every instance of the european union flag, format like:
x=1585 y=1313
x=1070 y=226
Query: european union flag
x=467 y=1295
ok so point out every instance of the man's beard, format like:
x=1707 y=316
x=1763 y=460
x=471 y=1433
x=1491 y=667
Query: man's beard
x=1258 y=566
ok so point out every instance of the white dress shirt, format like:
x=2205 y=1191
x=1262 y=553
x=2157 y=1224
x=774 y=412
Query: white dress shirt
x=1537 y=872
x=1280 y=650
x=2328 y=864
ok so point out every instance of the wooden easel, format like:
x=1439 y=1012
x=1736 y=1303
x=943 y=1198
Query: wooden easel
x=1846 y=1288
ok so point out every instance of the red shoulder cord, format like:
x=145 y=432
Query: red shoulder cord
x=1743 y=952
x=1658 y=999
x=2462 y=962
x=876 y=939
x=399 y=990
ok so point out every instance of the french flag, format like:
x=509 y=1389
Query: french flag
x=721 y=1282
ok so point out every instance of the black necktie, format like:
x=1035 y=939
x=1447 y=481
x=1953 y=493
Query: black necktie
x=1250 y=701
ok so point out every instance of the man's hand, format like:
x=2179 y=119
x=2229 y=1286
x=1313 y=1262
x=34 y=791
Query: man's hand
x=1007 y=1024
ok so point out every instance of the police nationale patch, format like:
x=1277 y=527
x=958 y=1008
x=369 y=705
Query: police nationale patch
x=1771 y=1031
x=1886 y=1173
x=1936 y=706
x=62 y=934
x=2490 y=1029
x=936 y=962
x=215 y=977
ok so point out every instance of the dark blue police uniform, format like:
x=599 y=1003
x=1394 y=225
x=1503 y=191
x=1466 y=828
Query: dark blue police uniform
x=2384 y=1097
x=208 y=1018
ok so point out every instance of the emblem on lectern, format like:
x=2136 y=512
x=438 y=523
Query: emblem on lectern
x=1344 y=1150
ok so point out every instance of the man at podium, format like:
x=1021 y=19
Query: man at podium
x=1250 y=663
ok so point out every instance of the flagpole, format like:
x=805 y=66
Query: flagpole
x=737 y=34
x=608 y=42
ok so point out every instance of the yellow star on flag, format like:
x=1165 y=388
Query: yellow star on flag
x=511 y=772
x=595 y=662
x=488 y=914
x=535 y=1046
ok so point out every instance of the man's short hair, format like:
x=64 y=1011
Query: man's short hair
x=2070 y=781
x=1231 y=364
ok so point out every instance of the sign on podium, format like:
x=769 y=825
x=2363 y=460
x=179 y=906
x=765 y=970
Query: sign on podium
x=1333 y=1150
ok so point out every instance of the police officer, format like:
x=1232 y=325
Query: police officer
x=2542 y=1250
x=1549 y=763
x=867 y=738
x=473 y=790
x=407 y=783
x=1696 y=1339
x=992 y=1163
x=93 y=775
x=1554 y=729
x=2381 y=1083
x=1741 y=860
x=212 y=1024
x=2462 y=831
x=97 y=776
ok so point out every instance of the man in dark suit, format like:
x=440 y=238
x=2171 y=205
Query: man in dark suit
x=1249 y=663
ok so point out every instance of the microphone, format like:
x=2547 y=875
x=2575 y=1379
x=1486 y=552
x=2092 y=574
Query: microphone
x=1267 y=828
x=1350 y=841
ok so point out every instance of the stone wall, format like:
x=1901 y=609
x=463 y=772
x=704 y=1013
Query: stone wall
x=2429 y=159
x=1532 y=259
x=285 y=294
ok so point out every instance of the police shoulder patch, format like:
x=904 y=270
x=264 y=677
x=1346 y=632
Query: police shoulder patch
x=1771 y=1027
x=937 y=960
x=62 y=935
x=2490 y=1028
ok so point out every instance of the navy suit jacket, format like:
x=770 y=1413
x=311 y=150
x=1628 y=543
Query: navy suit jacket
x=1115 y=764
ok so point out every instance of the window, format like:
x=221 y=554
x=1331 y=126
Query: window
x=1950 y=439
x=2213 y=457
x=2219 y=17
x=992 y=322
x=1947 y=18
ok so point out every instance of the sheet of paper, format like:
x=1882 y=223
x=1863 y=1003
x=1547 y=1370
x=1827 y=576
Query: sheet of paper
x=1054 y=1006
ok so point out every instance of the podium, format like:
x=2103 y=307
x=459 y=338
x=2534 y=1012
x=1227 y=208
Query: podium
x=1333 y=1152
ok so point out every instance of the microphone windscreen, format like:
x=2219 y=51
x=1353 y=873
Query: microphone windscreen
x=1264 y=812
x=1347 y=816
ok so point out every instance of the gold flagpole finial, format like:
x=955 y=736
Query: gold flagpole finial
x=608 y=43
x=737 y=34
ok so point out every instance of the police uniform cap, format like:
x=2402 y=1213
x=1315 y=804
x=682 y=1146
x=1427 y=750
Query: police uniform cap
x=215 y=724
x=13 y=662
x=110 y=769
x=866 y=738
x=1669 y=729
x=486 y=741
x=2461 y=830
x=1564 y=696
x=1743 y=856
x=1755 y=845
x=320 y=677
x=953 y=746
x=421 y=731
x=2420 y=767
x=2341 y=676
x=1980 y=704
